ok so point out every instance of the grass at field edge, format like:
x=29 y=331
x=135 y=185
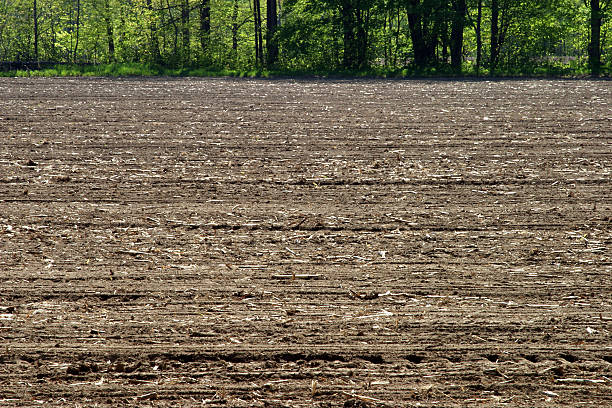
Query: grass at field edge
x=151 y=70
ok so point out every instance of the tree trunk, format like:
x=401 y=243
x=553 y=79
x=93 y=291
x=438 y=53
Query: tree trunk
x=111 y=40
x=444 y=40
x=204 y=25
x=256 y=37
x=109 y=32
x=479 y=38
x=595 y=44
x=259 y=32
x=235 y=30
x=185 y=31
x=397 y=35
x=415 y=22
x=54 y=40
x=348 y=56
x=35 y=31
x=78 y=26
x=176 y=32
x=155 y=53
x=272 y=23
x=494 y=33
x=362 y=38
x=458 y=25
x=387 y=37
x=424 y=40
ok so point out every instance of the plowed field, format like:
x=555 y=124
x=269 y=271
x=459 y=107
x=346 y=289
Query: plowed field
x=305 y=243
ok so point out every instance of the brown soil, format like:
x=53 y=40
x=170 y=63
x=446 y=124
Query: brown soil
x=313 y=243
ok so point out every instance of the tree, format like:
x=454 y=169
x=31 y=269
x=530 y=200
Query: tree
x=597 y=9
x=425 y=22
x=495 y=36
x=35 y=13
x=185 y=34
x=204 y=25
x=479 y=37
x=110 y=34
x=258 y=32
x=391 y=31
x=503 y=13
x=77 y=29
x=311 y=35
x=354 y=22
x=349 y=57
x=271 y=25
x=235 y=27
x=152 y=26
x=458 y=25
x=507 y=35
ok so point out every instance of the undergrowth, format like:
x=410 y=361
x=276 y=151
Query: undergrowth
x=150 y=70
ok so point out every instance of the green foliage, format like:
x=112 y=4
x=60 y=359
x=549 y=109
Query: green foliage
x=323 y=37
x=309 y=36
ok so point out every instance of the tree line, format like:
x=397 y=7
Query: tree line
x=310 y=35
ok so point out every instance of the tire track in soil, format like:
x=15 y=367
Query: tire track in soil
x=227 y=242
